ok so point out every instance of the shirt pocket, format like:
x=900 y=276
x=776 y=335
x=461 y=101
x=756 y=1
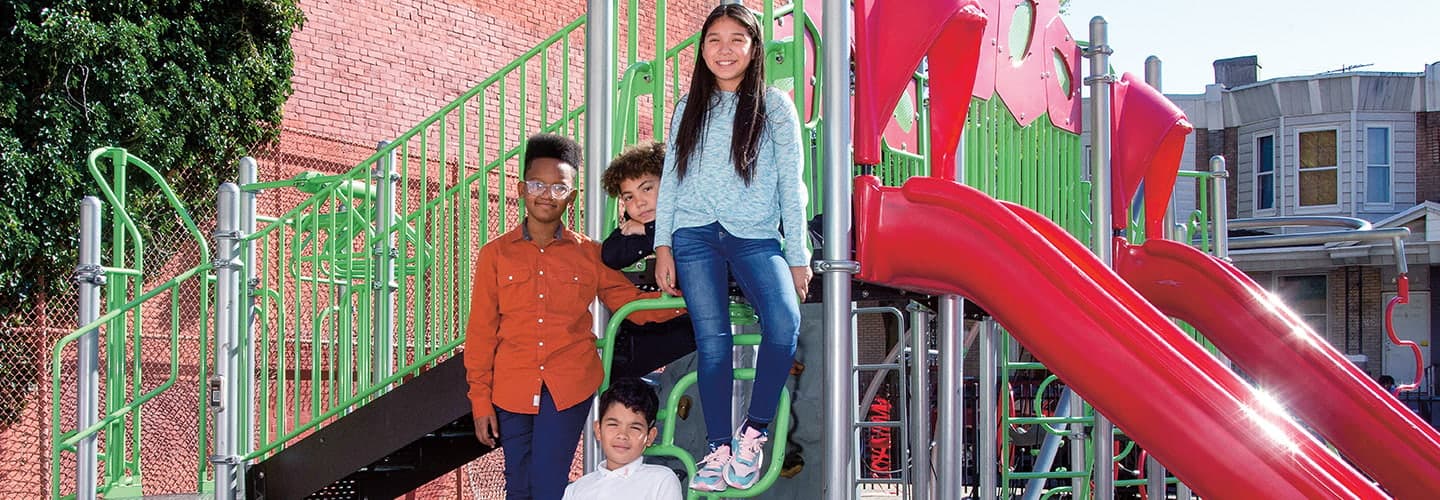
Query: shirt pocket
x=575 y=285
x=516 y=291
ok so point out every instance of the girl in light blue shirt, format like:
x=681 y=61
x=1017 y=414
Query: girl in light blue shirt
x=732 y=183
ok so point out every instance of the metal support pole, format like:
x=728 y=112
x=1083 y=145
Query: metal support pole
x=90 y=277
x=599 y=110
x=227 y=355
x=836 y=268
x=249 y=174
x=919 y=403
x=1220 y=201
x=950 y=400
x=383 y=286
x=986 y=419
x=1100 y=81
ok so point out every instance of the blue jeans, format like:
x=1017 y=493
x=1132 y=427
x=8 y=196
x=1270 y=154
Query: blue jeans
x=705 y=257
x=537 y=464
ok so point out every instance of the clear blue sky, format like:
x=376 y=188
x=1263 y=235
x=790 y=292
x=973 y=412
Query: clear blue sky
x=1290 y=37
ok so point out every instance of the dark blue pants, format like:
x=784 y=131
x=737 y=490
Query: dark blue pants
x=705 y=258
x=540 y=448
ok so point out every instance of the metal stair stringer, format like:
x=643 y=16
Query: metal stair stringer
x=402 y=440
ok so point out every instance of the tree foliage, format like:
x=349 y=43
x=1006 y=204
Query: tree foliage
x=187 y=85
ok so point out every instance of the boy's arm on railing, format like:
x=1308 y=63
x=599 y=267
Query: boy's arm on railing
x=616 y=291
x=481 y=333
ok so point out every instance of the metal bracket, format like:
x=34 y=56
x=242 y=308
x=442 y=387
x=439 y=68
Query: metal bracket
x=1095 y=50
x=229 y=265
x=1106 y=78
x=836 y=266
x=226 y=459
x=1220 y=173
x=227 y=234
x=89 y=273
x=215 y=395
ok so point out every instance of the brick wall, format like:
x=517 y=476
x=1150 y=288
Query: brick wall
x=1355 y=322
x=1427 y=156
x=369 y=70
x=1224 y=143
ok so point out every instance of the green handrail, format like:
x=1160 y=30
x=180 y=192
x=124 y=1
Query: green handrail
x=125 y=394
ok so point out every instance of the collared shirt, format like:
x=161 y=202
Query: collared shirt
x=530 y=321
x=635 y=481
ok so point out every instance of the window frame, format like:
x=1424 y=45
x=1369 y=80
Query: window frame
x=1277 y=291
x=1299 y=207
x=1274 y=174
x=1389 y=166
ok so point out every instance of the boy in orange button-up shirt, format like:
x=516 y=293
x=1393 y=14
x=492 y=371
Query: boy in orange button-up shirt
x=530 y=354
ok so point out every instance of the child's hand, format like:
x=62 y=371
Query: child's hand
x=632 y=227
x=665 y=271
x=487 y=430
x=802 y=275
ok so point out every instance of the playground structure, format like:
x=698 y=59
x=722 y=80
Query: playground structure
x=345 y=310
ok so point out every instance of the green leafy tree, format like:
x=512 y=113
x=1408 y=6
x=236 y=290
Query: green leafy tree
x=187 y=85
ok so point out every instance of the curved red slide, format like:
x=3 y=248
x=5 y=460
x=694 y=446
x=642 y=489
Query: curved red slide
x=1303 y=371
x=1099 y=336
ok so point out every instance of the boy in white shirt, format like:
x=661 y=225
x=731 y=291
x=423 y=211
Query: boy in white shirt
x=626 y=427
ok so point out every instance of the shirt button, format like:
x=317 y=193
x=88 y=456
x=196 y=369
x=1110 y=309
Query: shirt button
x=542 y=368
x=542 y=295
x=541 y=320
x=542 y=273
x=542 y=250
x=542 y=344
x=511 y=278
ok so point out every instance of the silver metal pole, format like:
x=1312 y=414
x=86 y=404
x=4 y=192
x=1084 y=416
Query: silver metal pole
x=836 y=268
x=950 y=405
x=384 y=251
x=249 y=174
x=227 y=310
x=986 y=419
x=90 y=277
x=919 y=404
x=1220 y=200
x=1099 y=80
x=599 y=109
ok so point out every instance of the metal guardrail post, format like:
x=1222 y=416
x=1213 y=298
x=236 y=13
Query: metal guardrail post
x=600 y=110
x=383 y=282
x=836 y=268
x=950 y=402
x=249 y=174
x=1100 y=81
x=222 y=394
x=919 y=403
x=1154 y=471
x=986 y=418
x=1221 y=202
x=89 y=277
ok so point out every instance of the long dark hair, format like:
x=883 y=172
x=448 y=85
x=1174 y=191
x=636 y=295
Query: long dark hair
x=749 y=105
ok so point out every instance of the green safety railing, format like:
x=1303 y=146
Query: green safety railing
x=122 y=335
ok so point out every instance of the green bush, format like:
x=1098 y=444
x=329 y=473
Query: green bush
x=187 y=85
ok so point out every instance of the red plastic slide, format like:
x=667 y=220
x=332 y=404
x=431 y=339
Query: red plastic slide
x=1297 y=366
x=1108 y=344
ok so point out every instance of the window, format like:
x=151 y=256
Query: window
x=1265 y=172
x=1377 y=165
x=1307 y=296
x=1319 y=177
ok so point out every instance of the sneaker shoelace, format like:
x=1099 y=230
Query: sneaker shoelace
x=716 y=457
x=750 y=446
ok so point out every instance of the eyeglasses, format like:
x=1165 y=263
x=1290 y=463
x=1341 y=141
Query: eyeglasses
x=557 y=190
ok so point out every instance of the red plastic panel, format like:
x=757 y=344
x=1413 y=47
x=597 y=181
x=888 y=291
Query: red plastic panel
x=1147 y=139
x=989 y=50
x=1301 y=369
x=1137 y=368
x=952 y=66
x=1063 y=102
x=1020 y=83
x=890 y=39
